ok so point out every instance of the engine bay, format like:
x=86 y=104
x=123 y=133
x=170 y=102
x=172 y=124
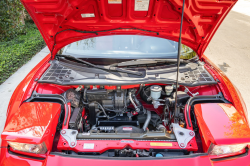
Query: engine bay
x=142 y=114
x=127 y=121
x=121 y=111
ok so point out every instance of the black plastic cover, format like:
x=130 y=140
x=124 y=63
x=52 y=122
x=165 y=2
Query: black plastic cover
x=75 y=118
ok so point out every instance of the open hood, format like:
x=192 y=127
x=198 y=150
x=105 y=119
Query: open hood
x=62 y=22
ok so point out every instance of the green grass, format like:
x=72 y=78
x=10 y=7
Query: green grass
x=16 y=52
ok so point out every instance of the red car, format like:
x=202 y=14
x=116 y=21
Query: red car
x=110 y=94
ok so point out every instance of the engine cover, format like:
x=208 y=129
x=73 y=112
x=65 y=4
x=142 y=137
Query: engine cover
x=114 y=99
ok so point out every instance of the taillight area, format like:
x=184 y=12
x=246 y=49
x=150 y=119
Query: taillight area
x=28 y=148
x=219 y=151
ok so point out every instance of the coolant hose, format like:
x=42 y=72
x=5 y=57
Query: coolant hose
x=145 y=126
x=132 y=101
x=101 y=108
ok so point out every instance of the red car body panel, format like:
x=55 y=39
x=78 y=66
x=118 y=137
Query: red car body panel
x=230 y=92
x=104 y=145
x=57 y=20
x=202 y=160
x=221 y=124
x=51 y=160
x=32 y=122
x=9 y=159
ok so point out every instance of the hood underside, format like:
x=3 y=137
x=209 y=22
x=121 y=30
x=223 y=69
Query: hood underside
x=62 y=22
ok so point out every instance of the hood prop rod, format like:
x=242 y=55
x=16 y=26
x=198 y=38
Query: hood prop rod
x=178 y=63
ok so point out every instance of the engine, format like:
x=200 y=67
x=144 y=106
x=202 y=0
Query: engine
x=122 y=111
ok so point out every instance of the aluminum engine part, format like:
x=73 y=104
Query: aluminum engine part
x=70 y=136
x=157 y=103
x=145 y=126
x=182 y=135
x=119 y=99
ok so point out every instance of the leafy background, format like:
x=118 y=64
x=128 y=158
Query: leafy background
x=20 y=40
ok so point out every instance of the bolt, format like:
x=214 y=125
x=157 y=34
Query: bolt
x=191 y=133
x=181 y=133
x=72 y=143
x=63 y=132
x=182 y=145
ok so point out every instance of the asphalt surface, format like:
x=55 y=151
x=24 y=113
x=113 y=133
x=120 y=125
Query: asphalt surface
x=229 y=49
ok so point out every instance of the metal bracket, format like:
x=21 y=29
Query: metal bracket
x=182 y=135
x=193 y=94
x=156 y=103
x=78 y=88
x=70 y=136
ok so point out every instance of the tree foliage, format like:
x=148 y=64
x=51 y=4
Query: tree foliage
x=12 y=15
x=186 y=52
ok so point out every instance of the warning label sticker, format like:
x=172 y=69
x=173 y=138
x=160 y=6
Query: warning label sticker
x=141 y=5
x=124 y=141
x=88 y=15
x=115 y=1
x=127 y=128
x=160 y=144
x=88 y=146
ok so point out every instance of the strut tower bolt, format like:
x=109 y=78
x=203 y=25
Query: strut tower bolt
x=182 y=145
x=72 y=143
x=63 y=132
x=191 y=133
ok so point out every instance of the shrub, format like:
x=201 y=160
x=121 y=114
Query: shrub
x=16 y=52
x=12 y=19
